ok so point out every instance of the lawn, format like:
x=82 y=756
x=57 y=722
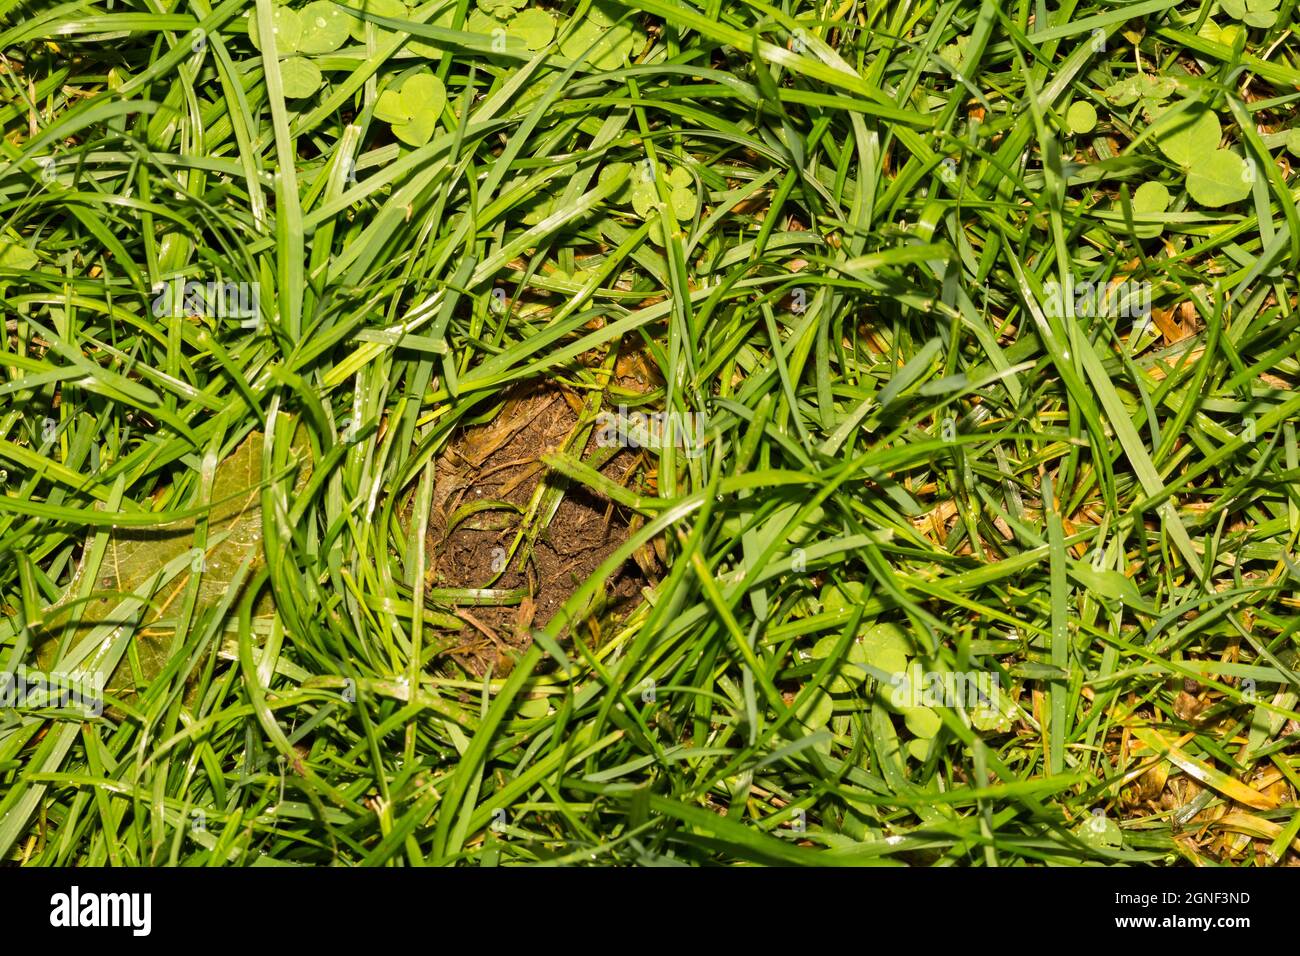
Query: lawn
x=690 y=432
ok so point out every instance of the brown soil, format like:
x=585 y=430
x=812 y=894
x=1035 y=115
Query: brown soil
x=501 y=461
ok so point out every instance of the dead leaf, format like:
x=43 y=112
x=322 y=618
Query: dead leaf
x=135 y=555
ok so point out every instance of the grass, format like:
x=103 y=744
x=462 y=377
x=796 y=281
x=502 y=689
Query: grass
x=849 y=236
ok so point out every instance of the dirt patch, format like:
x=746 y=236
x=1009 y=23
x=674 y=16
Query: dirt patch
x=486 y=490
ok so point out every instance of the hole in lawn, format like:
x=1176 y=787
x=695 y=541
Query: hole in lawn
x=486 y=484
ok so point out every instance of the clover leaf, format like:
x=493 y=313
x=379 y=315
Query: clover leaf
x=882 y=646
x=644 y=191
x=299 y=77
x=1228 y=35
x=389 y=107
x=1100 y=832
x=816 y=713
x=577 y=277
x=324 y=27
x=841 y=597
x=412 y=108
x=1152 y=90
x=847 y=676
x=1151 y=198
x=885 y=647
x=537 y=209
x=287 y=26
x=380 y=8
x=445 y=19
x=1189 y=136
x=480 y=22
x=619 y=171
x=922 y=721
x=604 y=13
x=1081 y=117
x=534 y=27
x=1122 y=92
x=1218 y=178
x=954 y=54
x=1185 y=134
x=501 y=9
x=1255 y=13
x=1293 y=141
x=918 y=749
x=604 y=45
x=645 y=198
x=997 y=714
x=15 y=256
x=682 y=194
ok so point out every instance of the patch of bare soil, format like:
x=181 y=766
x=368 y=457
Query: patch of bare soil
x=485 y=481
